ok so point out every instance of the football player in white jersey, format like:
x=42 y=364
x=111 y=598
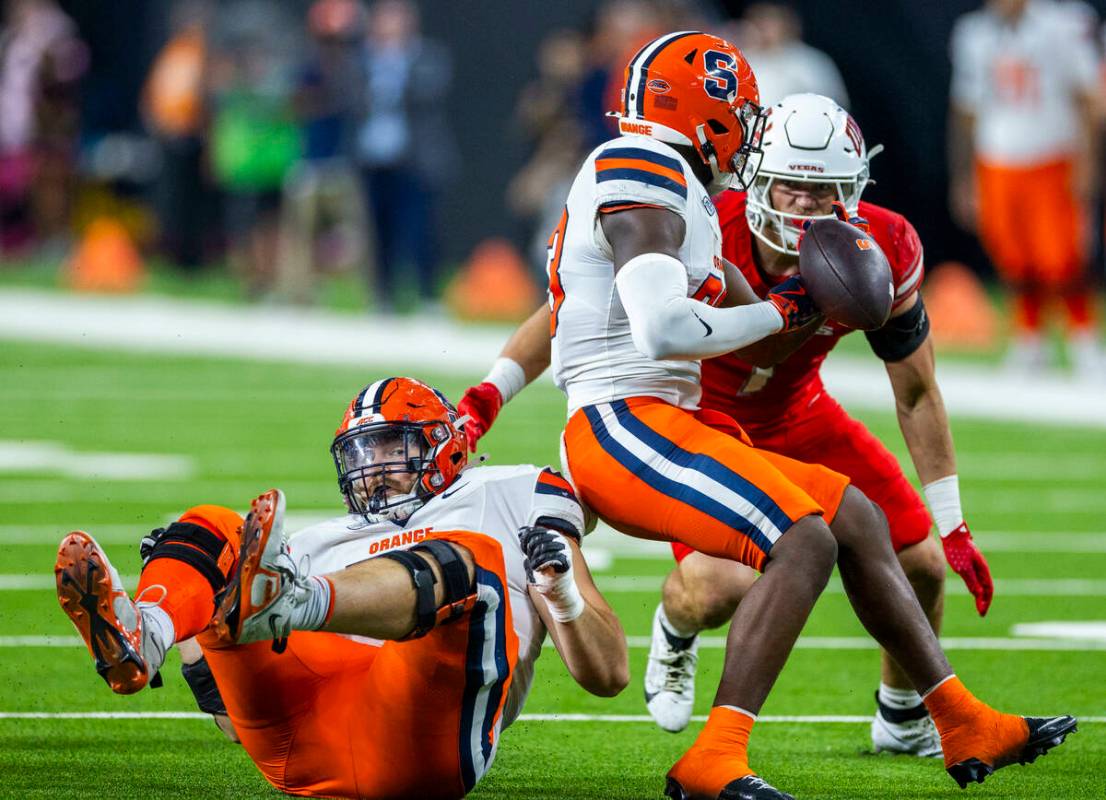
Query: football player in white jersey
x=638 y=295
x=469 y=568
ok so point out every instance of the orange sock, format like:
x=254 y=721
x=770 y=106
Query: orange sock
x=970 y=728
x=719 y=755
x=189 y=598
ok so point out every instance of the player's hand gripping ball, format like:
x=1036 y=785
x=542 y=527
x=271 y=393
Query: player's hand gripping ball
x=846 y=274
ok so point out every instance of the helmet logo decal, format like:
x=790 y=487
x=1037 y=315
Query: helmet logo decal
x=658 y=86
x=863 y=244
x=852 y=130
x=722 y=84
x=635 y=127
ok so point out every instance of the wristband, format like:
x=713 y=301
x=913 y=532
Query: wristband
x=562 y=596
x=507 y=376
x=943 y=496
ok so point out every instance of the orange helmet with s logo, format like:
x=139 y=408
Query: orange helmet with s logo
x=694 y=89
x=398 y=445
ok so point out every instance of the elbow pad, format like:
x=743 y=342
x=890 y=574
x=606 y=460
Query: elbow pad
x=902 y=335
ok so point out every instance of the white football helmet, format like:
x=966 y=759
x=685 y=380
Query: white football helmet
x=809 y=138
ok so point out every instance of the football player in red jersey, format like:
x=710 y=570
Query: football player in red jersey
x=815 y=165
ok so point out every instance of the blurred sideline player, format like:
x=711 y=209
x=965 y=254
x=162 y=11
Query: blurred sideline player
x=1024 y=87
x=453 y=576
x=639 y=295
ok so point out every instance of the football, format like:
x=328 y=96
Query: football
x=847 y=274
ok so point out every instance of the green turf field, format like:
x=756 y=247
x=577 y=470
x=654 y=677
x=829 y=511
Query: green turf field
x=1034 y=496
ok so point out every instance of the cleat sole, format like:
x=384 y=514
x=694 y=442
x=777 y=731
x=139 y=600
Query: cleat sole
x=971 y=771
x=232 y=607
x=673 y=790
x=85 y=595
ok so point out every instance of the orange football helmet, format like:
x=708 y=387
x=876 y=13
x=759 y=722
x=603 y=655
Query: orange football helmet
x=397 y=446
x=695 y=89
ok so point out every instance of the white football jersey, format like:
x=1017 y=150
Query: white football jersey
x=594 y=357
x=1021 y=81
x=495 y=501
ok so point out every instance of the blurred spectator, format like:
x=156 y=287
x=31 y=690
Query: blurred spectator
x=621 y=27
x=41 y=60
x=254 y=135
x=546 y=116
x=323 y=226
x=1024 y=110
x=405 y=145
x=173 y=108
x=770 y=36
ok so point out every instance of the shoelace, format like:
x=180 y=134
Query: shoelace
x=678 y=671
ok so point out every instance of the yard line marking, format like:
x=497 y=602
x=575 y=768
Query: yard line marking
x=1007 y=587
x=786 y=719
x=719 y=642
x=58 y=458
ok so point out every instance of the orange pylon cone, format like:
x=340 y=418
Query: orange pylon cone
x=105 y=260
x=493 y=285
x=960 y=312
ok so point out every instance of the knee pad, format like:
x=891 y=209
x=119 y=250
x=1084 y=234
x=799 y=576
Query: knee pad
x=202 y=683
x=208 y=553
x=460 y=591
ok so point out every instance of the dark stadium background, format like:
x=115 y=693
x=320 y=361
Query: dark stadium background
x=893 y=55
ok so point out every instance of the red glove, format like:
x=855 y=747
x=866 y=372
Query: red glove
x=843 y=215
x=793 y=302
x=481 y=403
x=967 y=562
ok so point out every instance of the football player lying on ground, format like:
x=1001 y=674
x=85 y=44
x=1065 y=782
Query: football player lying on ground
x=813 y=157
x=638 y=296
x=454 y=576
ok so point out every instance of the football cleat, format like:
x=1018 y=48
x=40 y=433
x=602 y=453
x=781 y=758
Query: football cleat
x=750 y=787
x=259 y=599
x=1045 y=733
x=670 y=677
x=92 y=595
x=907 y=731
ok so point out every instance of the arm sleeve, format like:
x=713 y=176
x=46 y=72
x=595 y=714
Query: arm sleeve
x=554 y=505
x=667 y=324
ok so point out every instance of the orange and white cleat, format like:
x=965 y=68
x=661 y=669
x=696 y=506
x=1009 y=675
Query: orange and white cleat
x=261 y=596
x=92 y=595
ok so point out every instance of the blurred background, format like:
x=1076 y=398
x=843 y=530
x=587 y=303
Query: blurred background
x=400 y=157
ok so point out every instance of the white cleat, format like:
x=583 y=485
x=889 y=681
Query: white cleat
x=258 y=602
x=670 y=677
x=915 y=737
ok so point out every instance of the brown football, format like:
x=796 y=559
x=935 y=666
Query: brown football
x=847 y=274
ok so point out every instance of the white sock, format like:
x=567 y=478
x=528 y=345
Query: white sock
x=312 y=607
x=158 y=634
x=677 y=632
x=901 y=699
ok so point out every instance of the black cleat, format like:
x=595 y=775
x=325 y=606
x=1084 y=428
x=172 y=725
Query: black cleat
x=748 y=788
x=1045 y=733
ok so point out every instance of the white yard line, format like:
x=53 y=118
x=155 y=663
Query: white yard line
x=167 y=325
x=799 y=719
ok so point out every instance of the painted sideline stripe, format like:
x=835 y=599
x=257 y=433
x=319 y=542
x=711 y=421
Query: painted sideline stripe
x=719 y=643
x=802 y=719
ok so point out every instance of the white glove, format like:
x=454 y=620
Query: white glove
x=549 y=569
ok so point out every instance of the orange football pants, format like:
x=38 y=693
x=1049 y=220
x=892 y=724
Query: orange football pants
x=656 y=471
x=1030 y=223
x=337 y=717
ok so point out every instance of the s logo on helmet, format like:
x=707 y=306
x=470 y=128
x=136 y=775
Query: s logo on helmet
x=722 y=83
x=658 y=86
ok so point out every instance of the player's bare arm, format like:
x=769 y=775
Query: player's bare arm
x=529 y=344
x=593 y=645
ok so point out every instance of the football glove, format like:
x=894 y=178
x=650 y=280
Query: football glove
x=146 y=546
x=481 y=404
x=549 y=569
x=793 y=302
x=967 y=562
x=843 y=215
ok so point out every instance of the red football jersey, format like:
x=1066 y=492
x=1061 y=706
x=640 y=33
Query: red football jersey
x=756 y=396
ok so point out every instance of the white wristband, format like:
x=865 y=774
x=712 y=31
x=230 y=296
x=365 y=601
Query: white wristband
x=943 y=496
x=563 y=597
x=508 y=377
